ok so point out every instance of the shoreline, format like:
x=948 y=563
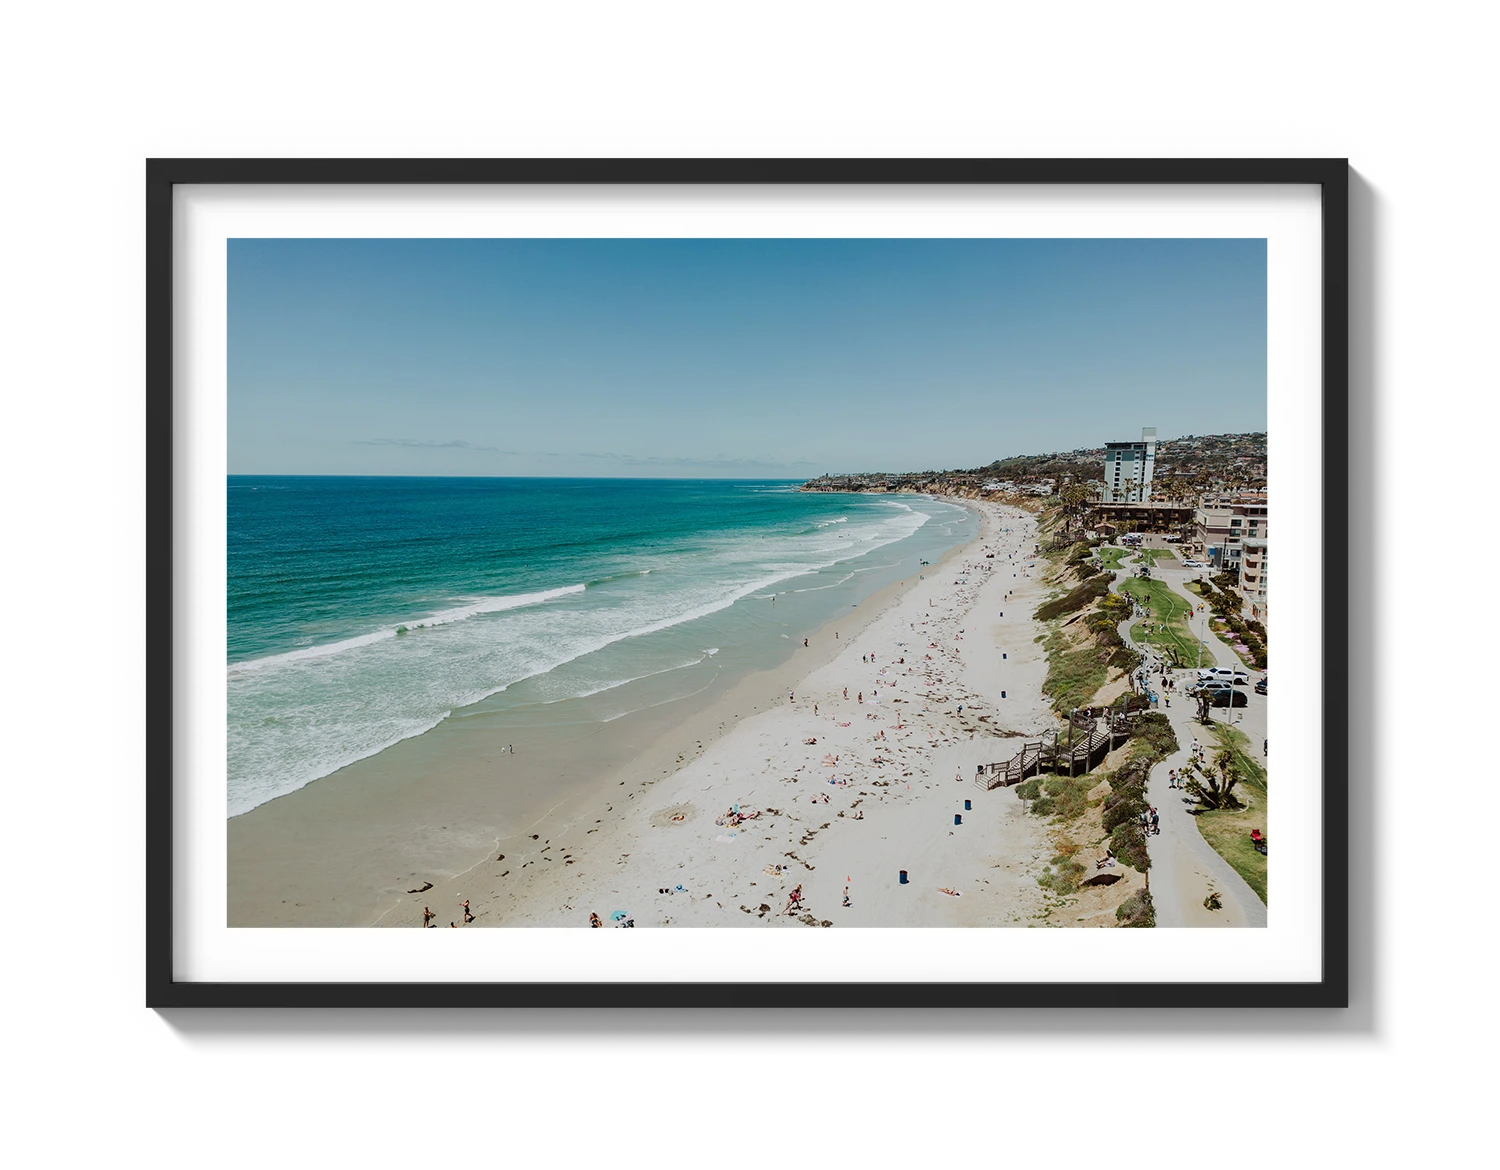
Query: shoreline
x=346 y=849
x=898 y=756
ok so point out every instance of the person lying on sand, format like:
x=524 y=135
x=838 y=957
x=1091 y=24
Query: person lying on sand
x=950 y=893
x=594 y=920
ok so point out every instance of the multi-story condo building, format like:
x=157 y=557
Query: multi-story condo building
x=1253 y=571
x=1127 y=469
x=1223 y=525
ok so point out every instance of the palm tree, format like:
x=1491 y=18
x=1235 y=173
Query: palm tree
x=1218 y=792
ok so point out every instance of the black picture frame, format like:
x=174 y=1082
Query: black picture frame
x=1356 y=1002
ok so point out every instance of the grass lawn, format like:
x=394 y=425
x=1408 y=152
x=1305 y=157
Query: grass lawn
x=1154 y=556
x=1228 y=832
x=1109 y=557
x=1169 y=610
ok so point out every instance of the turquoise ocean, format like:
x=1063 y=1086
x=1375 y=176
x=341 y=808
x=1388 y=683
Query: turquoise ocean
x=364 y=611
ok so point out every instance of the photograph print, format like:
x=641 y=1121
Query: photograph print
x=747 y=583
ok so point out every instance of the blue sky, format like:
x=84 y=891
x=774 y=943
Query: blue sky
x=746 y=358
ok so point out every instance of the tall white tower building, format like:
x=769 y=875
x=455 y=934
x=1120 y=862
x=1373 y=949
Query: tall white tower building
x=1127 y=469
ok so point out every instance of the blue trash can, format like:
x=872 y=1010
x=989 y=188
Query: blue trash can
x=1002 y=694
x=958 y=819
x=968 y=805
x=903 y=877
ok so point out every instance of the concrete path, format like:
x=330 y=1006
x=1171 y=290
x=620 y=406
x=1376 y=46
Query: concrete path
x=1184 y=867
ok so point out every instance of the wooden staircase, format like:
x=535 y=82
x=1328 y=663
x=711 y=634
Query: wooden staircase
x=1092 y=738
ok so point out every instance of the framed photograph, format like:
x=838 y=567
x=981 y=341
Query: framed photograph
x=746 y=583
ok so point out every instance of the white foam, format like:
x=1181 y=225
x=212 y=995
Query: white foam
x=441 y=618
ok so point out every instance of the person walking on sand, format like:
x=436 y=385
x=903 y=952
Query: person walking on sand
x=846 y=897
x=804 y=641
x=861 y=696
x=793 y=900
x=427 y=916
x=468 y=917
x=846 y=692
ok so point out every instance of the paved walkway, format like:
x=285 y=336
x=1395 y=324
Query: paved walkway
x=1184 y=867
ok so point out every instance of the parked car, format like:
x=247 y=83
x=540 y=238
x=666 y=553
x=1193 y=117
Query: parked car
x=1193 y=565
x=1226 y=673
x=1260 y=687
x=1227 y=697
x=1213 y=684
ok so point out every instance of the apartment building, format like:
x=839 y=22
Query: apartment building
x=1253 y=572
x=1127 y=469
x=1222 y=526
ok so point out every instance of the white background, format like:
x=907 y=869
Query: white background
x=89 y=91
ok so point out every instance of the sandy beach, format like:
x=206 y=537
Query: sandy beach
x=809 y=788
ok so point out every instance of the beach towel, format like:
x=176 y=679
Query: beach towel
x=617 y=916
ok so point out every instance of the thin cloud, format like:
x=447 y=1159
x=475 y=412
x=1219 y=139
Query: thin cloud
x=432 y=444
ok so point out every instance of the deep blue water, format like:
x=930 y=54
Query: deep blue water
x=362 y=611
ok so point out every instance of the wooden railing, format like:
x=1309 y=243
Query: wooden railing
x=1089 y=739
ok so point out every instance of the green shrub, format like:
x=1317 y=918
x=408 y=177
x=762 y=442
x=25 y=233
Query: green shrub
x=1065 y=797
x=1076 y=598
x=1136 y=910
x=1128 y=808
x=1030 y=789
x=1154 y=730
x=1127 y=841
x=1064 y=879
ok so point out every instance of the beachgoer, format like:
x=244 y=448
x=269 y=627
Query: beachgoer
x=846 y=692
x=861 y=696
x=804 y=641
x=1155 y=821
x=468 y=916
x=846 y=897
x=595 y=920
x=427 y=915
